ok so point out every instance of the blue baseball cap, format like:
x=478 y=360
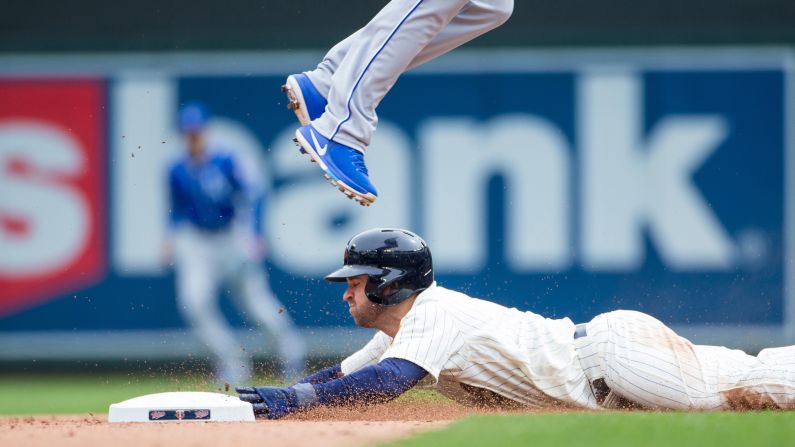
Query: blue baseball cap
x=193 y=116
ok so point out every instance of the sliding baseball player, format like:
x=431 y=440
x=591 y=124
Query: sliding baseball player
x=481 y=353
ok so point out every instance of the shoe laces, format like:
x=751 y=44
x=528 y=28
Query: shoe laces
x=358 y=162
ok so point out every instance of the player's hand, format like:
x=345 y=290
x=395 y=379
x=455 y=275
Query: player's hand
x=271 y=402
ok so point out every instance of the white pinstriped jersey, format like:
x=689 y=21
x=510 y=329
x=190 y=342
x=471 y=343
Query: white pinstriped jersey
x=465 y=342
x=462 y=340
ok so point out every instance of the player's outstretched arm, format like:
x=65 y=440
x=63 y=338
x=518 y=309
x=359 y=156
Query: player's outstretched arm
x=376 y=383
x=324 y=375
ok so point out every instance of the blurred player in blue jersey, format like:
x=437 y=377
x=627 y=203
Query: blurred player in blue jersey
x=215 y=229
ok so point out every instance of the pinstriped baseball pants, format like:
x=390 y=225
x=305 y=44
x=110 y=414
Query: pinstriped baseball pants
x=644 y=361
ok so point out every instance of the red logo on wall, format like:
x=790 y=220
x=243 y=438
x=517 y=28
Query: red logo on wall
x=51 y=189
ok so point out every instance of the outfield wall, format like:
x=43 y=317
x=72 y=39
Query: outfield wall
x=565 y=182
x=153 y=25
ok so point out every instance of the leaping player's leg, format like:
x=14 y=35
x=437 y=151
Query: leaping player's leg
x=319 y=79
x=476 y=18
x=384 y=49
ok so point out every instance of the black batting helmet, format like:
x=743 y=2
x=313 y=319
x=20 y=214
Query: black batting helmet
x=397 y=262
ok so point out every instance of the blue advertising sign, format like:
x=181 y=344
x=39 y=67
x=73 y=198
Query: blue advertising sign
x=568 y=191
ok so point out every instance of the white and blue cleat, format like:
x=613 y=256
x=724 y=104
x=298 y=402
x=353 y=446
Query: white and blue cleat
x=343 y=165
x=303 y=98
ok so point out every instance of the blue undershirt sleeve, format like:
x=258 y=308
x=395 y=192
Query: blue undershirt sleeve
x=376 y=383
x=324 y=375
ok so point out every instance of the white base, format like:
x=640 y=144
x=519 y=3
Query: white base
x=182 y=407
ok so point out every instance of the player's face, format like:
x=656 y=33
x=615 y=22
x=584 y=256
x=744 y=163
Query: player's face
x=195 y=142
x=363 y=311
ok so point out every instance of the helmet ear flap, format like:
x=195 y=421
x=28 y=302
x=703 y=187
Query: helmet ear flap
x=389 y=289
x=373 y=289
x=380 y=289
x=397 y=262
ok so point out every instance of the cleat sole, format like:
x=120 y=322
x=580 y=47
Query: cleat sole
x=294 y=102
x=349 y=193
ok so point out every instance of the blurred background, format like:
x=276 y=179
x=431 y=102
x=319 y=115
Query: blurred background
x=583 y=157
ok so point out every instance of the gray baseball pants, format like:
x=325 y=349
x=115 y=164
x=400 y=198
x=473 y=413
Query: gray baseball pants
x=356 y=73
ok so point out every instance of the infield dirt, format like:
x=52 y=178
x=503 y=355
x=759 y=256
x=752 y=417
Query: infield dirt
x=326 y=427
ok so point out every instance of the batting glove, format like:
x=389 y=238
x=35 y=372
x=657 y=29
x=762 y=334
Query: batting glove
x=275 y=402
